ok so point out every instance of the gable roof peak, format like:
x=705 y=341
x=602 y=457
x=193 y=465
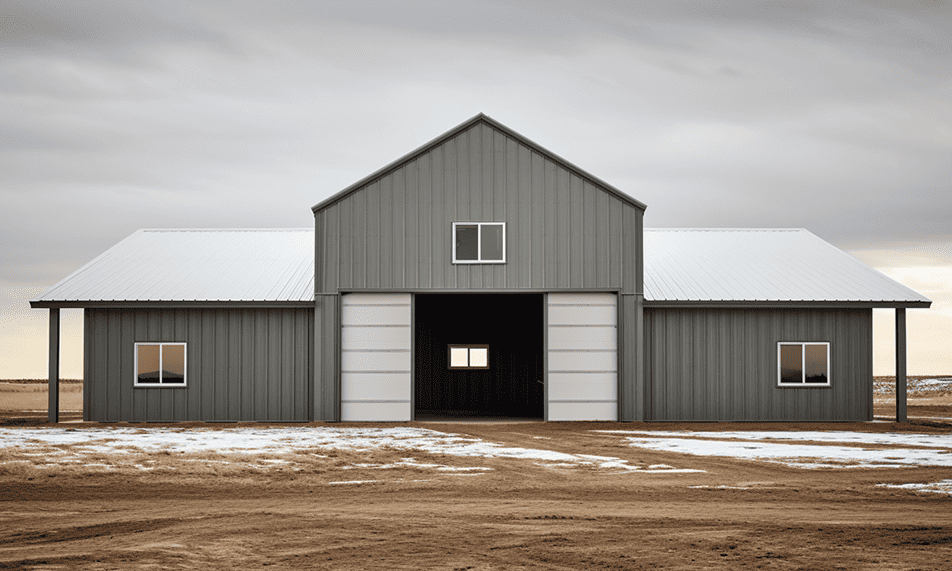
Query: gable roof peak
x=464 y=126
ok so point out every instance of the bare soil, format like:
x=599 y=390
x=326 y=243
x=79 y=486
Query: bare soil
x=518 y=515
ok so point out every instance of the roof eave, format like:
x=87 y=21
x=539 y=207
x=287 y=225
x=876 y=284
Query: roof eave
x=180 y=304
x=804 y=304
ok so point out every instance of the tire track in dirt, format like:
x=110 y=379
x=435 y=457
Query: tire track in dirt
x=86 y=531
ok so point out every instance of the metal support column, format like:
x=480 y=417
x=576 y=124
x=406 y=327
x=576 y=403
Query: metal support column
x=900 y=364
x=53 y=409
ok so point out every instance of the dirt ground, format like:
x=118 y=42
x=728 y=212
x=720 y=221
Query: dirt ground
x=192 y=513
x=520 y=514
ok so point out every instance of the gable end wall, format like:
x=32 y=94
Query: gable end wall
x=562 y=230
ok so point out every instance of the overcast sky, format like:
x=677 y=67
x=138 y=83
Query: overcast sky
x=832 y=116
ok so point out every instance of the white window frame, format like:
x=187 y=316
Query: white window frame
x=468 y=347
x=803 y=384
x=479 y=243
x=160 y=384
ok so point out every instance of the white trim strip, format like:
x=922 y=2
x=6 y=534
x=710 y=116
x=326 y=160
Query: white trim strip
x=582 y=372
x=375 y=372
x=375 y=350
x=376 y=401
x=583 y=350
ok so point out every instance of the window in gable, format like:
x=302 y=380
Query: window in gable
x=479 y=242
x=803 y=364
x=160 y=365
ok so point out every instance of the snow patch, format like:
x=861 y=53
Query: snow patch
x=72 y=445
x=942 y=487
x=799 y=455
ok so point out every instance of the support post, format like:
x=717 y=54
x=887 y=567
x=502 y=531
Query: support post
x=54 y=370
x=900 y=364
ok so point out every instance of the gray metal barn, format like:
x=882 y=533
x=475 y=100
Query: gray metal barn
x=480 y=275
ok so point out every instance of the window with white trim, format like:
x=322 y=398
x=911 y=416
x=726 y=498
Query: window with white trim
x=803 y=364
x=479 y=242
x=469 y=356
x=160 y=364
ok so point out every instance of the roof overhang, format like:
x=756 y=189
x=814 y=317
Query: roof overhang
x=785 y=304
x=170 y=304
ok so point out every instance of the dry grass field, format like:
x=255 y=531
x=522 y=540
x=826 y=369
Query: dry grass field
x=32 y=395
x=928 y=398
x=475 y=495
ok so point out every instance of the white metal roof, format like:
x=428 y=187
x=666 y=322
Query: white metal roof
x=197 y=265
x=750 y=265
x=277 y=265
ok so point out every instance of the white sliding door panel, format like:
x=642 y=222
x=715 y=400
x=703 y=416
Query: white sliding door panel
x=375 y=357
x=582 y=356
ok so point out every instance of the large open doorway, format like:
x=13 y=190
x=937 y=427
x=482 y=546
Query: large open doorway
x=479 y=355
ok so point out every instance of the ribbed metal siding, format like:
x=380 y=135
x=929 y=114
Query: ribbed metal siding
x=630 y=348
x=376 y=363
x=720 y=364
x=563 y=231
x=242 y=364
x=326 y=392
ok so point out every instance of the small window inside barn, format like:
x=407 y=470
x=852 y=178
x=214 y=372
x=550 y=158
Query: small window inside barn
x=479 y=242
x=469 y=356
x=803 y=364
x=160 y=364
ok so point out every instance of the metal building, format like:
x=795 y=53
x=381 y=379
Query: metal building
x=478 y=275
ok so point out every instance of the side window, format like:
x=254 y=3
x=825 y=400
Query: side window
x=803 y=364
x=479 y=242
x=160 y=364
x=469 y=356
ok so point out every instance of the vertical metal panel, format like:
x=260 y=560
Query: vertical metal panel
x=631 y=385
x=260 y=370
x=101 y=388
x=531 y=163
x=275 y=366
x=720 y=364
x=228 y=365
x=127 y=363
x=247 y=360
x=502 y=208
x=436 y=236
x=326 y=353
x=113 y=338
x=207 y=403
x=563 y=231
x=242 y=364
x=382 y=274
x=140 y=330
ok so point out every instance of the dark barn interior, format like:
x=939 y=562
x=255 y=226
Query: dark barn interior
x=510 y=324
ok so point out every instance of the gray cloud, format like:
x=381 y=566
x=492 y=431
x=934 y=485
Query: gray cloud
x=110 y=30
x=834 y=116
